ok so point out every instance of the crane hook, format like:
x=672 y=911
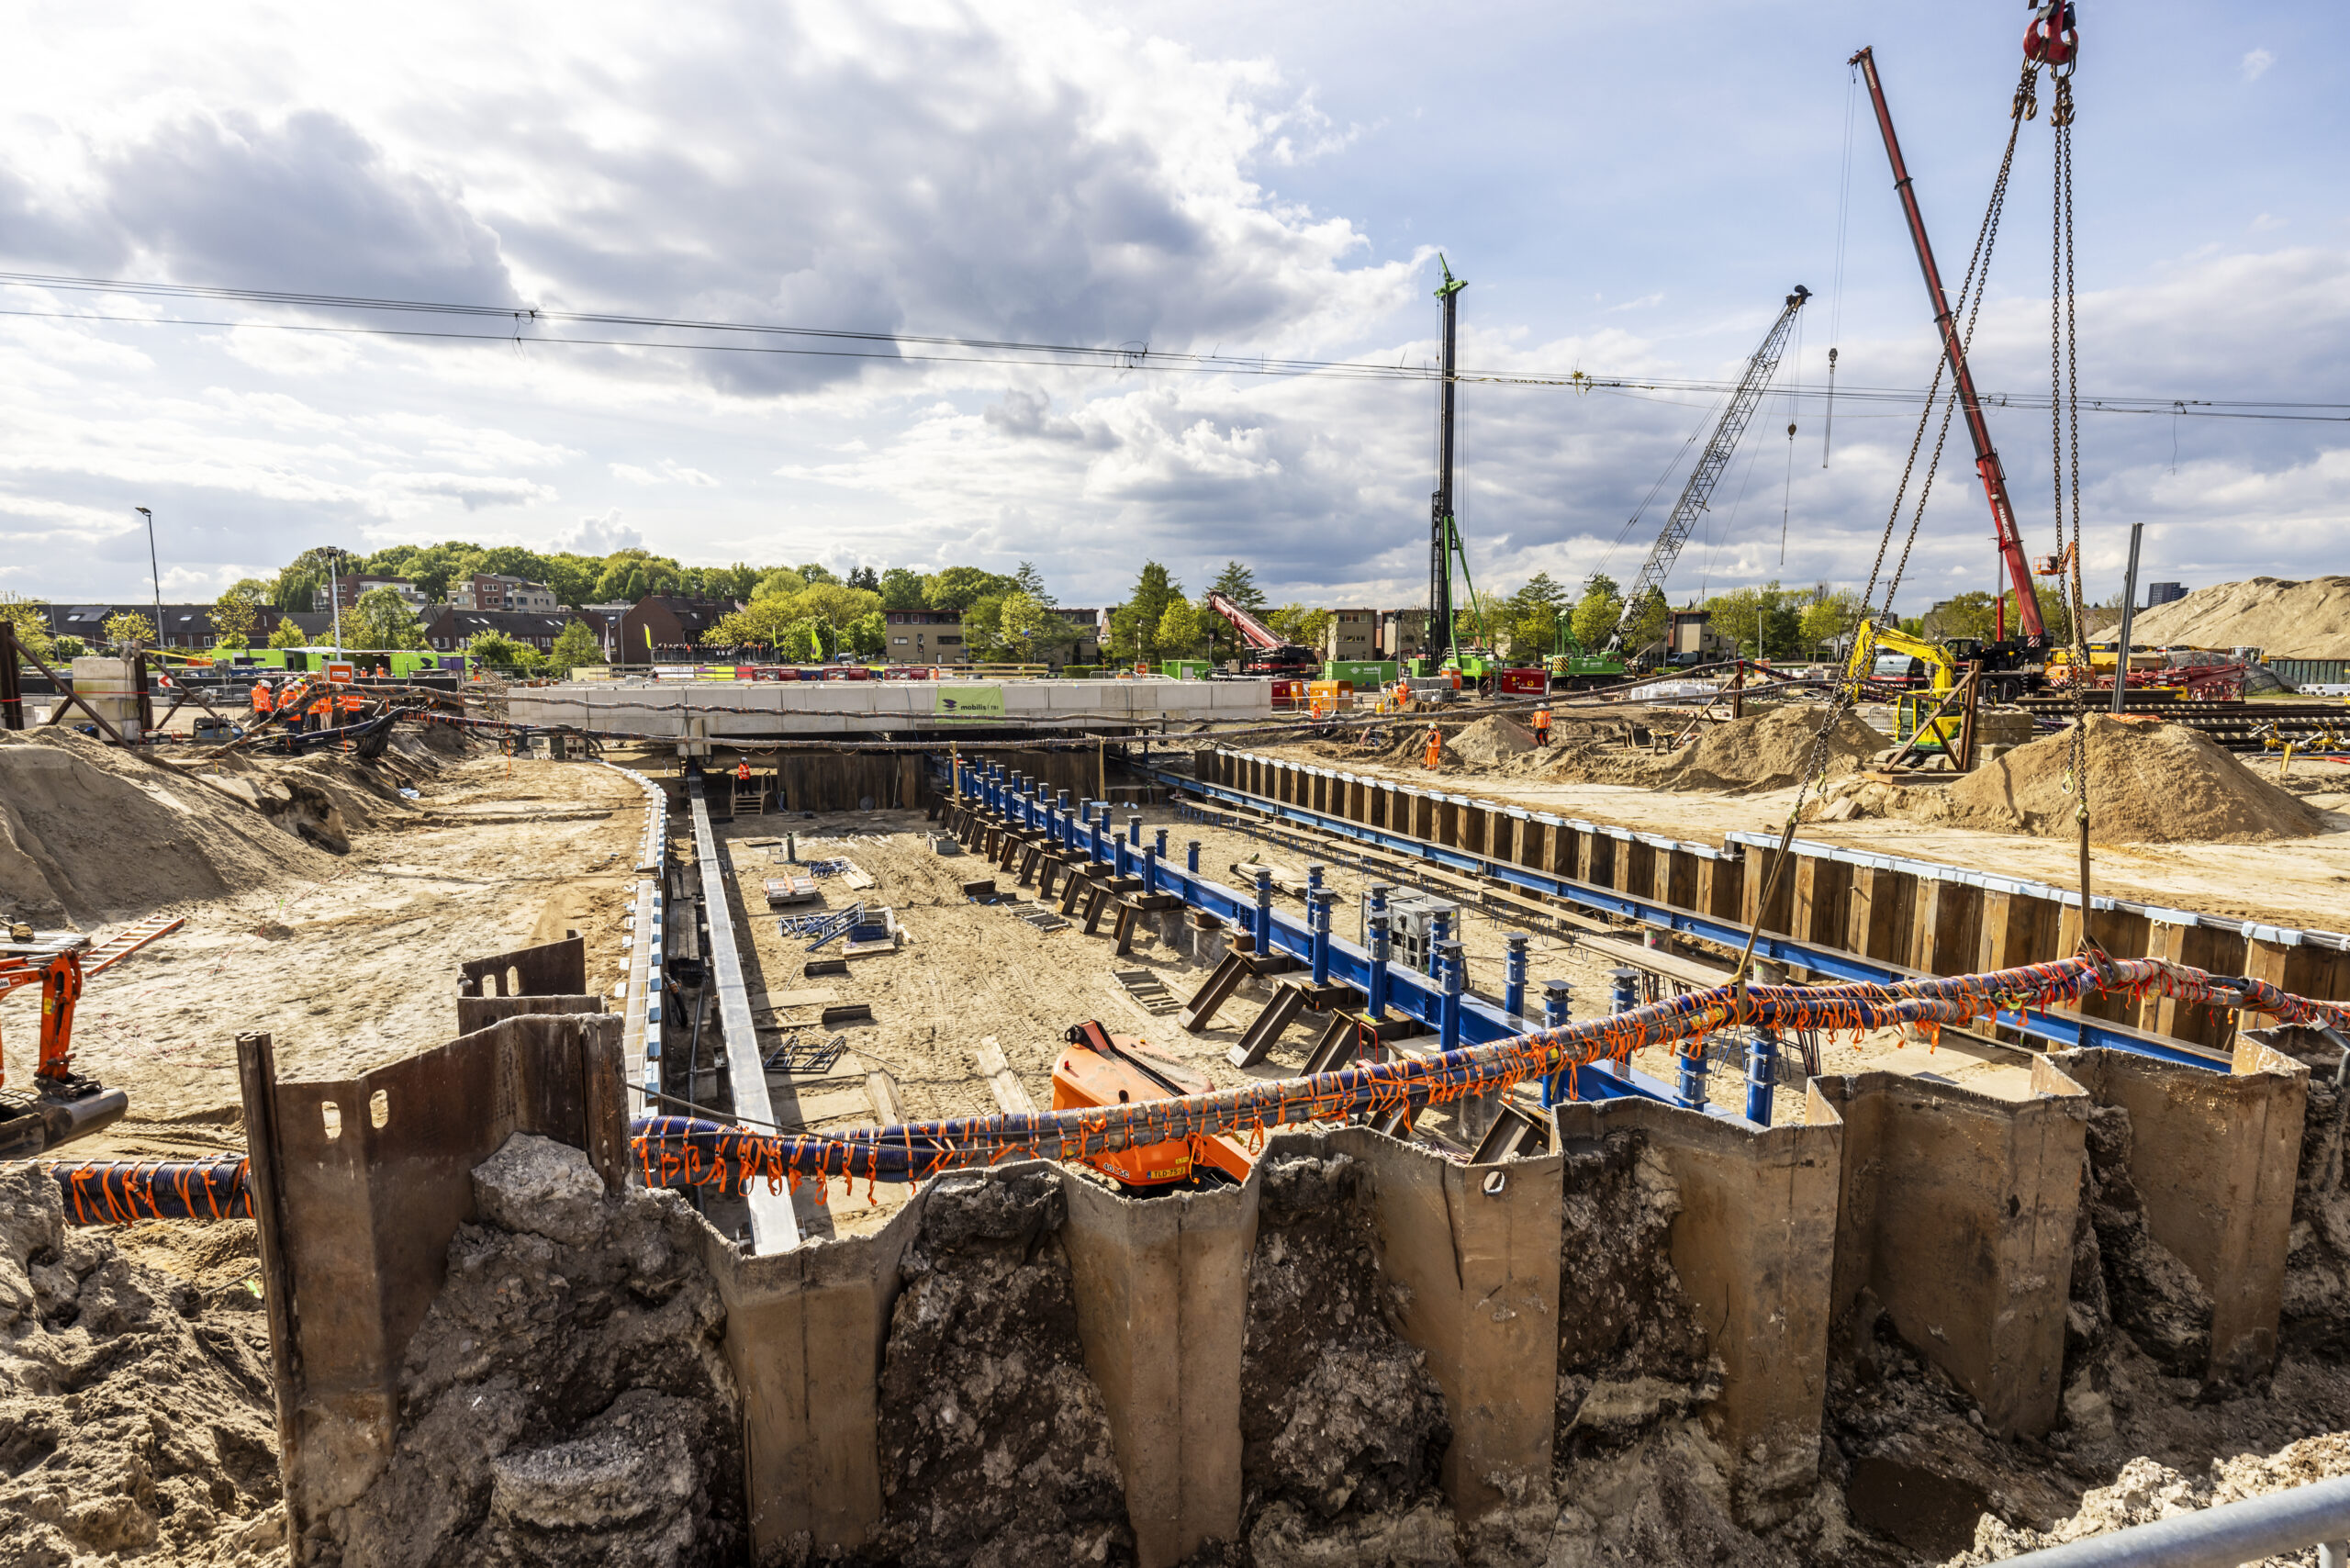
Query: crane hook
x=2053 y=38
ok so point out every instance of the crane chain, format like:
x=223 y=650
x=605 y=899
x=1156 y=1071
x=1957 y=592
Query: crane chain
x=2065 y=470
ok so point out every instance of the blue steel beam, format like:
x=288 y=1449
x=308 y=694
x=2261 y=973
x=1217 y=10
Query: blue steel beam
x=1417 y=996
x=2066 y=1030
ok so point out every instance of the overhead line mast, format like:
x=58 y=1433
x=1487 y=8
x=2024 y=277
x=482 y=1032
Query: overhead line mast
x=1711 y=463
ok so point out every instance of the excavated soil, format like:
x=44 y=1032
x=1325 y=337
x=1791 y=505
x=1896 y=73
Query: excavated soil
x=2316 y=1316
x=565 y=1400
x=137 y=1417
x=1341 y=1425
x=2147 y=784
x=2307 y=620
x=995 y=1444
x=1769 y=749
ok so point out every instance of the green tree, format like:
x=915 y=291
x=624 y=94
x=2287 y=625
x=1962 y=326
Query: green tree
x=776 y=582
x=288 y=636
x=576 y=646
x=1026 y=626
x=1597 y=613
x=1529 y=618
x=869 y=634
x=1294 y=622
x=502 y=652
x=2054 y=613
x=1963 y=615
x=1827 y=621
x=67 y=648
x=865 y=577
x=1649 y=624
x=901 y=589
x=28 y=618
x=1134 y=625
x=957 y=589
x=128 y=627
x=816 y=572
x=382 y=620
x=1238 y=584
x=1182 y=630
x=632 y=573
x=1030 y=582
x=234 y=615
x=573 y=578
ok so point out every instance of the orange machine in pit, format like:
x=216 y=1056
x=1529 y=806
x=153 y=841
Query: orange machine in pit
x=63 y=1105
x=1103 y=1069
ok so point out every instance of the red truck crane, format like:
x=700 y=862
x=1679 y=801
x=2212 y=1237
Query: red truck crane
x=2025 y=656
x=1268 y=651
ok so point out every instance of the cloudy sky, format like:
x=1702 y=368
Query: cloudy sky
x=1629 y=190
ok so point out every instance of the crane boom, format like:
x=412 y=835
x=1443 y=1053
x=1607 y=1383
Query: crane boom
x=1253 y=631
x=1274 y=653
x=1699 y=491
x=1978 y=430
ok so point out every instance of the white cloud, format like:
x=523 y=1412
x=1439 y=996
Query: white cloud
x=2255 y=63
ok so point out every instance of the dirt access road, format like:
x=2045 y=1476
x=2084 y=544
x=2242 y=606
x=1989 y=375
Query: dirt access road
x=358 y=967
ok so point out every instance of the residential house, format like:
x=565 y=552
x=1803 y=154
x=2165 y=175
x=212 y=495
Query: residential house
x=1352 y=634
x=347 y=590
x=923 y=637
x=1402 y=634
x=496 y=590
x=668 y=627
x=448 y=629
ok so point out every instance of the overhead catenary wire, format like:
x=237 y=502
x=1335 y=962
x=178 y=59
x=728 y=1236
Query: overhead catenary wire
x=846 y=343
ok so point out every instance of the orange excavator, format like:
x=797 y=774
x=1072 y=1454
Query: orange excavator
x=63 y=1104
x=1103 y=1069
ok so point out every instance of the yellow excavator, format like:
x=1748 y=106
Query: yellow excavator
x=1917 y=660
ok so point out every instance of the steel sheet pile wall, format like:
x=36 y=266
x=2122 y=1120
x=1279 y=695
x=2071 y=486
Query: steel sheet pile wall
x=1955 y=1211
x=1932 y=919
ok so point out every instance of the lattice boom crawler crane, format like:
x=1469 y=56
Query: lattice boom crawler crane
x=62 y=1104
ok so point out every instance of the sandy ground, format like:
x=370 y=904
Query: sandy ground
x=2303 y=882
x=359 y=967
x=970 y=975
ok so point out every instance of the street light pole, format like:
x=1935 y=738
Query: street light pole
x=156 y=572
x=334 y=596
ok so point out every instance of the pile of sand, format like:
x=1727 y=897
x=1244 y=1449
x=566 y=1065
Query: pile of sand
x=2148 y=784
x=1490 y=740
x=1772 y=750
x=2289 y=620
x=87 y=831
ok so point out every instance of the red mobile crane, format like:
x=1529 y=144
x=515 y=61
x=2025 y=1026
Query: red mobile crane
x=1269 y=653
x=2025 y=654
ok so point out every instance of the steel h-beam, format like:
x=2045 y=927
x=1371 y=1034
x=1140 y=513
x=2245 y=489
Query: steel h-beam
x=1398 y=989
x=2060 y=1030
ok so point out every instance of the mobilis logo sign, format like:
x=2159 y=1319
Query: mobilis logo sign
x=968 y=703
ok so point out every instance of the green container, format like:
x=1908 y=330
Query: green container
x=1185 y=669
x=1361 y=674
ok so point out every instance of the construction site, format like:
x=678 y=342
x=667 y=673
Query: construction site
x=1616 y=1103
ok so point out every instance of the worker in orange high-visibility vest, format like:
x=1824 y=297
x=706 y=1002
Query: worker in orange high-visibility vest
x=262 y=700
x=352 y=703
x=743 y=771
x=1436 y=746
x=289 y=704
x=320 y=710
x=1542 y=725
